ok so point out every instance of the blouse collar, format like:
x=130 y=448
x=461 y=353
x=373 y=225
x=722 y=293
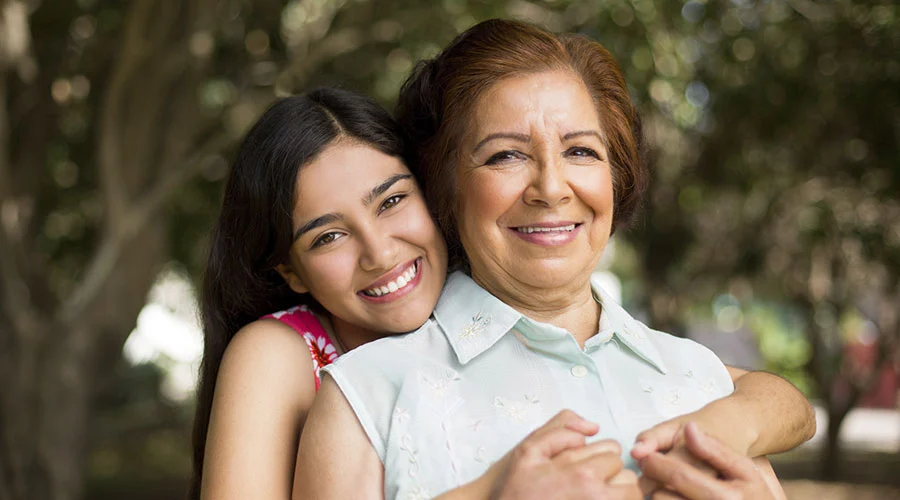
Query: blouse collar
x=473 y=320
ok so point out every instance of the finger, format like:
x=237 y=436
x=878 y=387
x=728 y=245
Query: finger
x=682 y=478
x=624 y=477
x=768 y=475
x=568 y=419
x=624 y=492
x=597 y=468
x=660 y=437
x=666 y=495
x=648 y=485
x=546 y=445
x=578 y=454
x=728 y=462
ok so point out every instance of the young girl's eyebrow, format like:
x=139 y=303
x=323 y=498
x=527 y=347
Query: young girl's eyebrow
x=317 y=222
x=384 y=186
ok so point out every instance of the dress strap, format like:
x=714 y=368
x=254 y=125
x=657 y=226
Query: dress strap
x=321 y=349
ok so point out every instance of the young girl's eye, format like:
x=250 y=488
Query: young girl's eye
x=325 y=239
x=391 y=202
x=582 y=152
x=504 y=156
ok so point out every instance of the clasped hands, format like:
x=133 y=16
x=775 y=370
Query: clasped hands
x=677 y=461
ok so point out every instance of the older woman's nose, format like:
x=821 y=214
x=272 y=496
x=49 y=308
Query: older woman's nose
x=549 y=186
x=379 y=250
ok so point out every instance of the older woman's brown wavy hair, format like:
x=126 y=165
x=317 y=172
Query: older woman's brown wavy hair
x=437 y=100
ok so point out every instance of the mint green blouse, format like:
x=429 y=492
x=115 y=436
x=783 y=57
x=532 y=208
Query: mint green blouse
x=442 y=403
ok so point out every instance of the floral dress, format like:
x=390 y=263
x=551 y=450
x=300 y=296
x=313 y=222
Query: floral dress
x=321 y=348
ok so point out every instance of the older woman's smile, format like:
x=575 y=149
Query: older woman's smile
x=548 y=233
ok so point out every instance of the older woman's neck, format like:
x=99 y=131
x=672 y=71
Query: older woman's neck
x=570 y=306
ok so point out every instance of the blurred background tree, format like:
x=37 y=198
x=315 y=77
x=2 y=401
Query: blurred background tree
x=773 y=127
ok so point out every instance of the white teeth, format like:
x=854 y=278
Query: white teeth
x=398 y=283
x=528 y=229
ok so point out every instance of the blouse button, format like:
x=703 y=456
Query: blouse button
x=579 y=371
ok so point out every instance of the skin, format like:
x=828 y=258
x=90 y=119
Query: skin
x=368 y=238
x=535 y=156
x=266 y=385
x=737 y=476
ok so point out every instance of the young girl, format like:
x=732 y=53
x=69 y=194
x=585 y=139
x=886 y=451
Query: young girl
x=347 y=233
x=323 y=243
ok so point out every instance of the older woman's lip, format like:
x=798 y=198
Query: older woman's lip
x=548 y=234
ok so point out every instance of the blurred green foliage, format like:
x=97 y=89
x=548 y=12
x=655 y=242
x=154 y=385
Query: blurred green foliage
x=773 y=126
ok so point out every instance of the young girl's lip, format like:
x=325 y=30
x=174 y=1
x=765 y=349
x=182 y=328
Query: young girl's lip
x=390 y=275
x=402 y=292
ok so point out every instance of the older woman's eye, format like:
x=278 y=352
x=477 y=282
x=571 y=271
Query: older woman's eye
x=504 y=156
x=326 y=239
x=391 y=202
x=582 y=152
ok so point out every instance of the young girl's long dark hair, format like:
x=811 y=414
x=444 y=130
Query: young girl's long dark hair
x=254 y=231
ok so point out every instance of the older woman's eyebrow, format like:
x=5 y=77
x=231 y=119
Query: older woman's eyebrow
x=581 y=133
x=317 y=222
x=384 y=186
x=502 y=135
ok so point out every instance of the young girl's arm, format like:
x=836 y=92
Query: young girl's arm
x=765 y=414
x=264 y=389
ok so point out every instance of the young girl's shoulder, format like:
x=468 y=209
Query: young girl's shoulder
x=306 y=325
x=268 y=343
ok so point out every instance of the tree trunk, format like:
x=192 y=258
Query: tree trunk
x=45 y=396
x=51 y=373
x=831 y=457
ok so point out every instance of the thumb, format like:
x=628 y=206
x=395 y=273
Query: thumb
x=661 y=437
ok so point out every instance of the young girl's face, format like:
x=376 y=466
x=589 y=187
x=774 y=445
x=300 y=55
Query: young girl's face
x=365 y=246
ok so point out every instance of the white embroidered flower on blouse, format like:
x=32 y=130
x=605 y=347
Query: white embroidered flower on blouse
x=472 y=330
x=401 y=415
x=517 y=410
x=418 y=493
x=412 y=455
x=438 y=384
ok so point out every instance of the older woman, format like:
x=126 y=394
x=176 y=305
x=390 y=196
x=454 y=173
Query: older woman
x=528 y=149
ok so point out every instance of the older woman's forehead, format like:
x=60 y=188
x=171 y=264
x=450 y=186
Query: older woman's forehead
x=557 y=100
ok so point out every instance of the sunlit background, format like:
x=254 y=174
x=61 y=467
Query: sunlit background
x=771 y=232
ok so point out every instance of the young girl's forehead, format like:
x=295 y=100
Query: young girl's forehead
x=346 y=173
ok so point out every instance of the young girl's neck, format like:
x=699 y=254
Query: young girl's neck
x=347 y=336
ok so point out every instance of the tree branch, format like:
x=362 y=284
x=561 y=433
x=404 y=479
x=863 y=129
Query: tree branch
x=13 y=285
x=110 y=159
x=133 y=221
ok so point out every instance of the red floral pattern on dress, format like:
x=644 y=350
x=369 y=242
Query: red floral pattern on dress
x=321 y=349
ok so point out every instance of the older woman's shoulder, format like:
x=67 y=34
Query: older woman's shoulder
x=687 y=357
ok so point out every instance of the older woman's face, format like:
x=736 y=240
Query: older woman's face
x=535 y=199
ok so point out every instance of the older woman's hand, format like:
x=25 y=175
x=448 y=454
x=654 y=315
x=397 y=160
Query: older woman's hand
x=555 y=462
x=738 y=477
